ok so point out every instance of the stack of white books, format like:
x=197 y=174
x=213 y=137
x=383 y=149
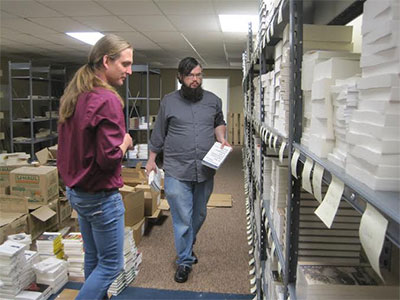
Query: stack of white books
x=53 y=272
x=257 y=103
x=73 y=249
x=345 y=100
x=374 y=131
x=322 y=136
x=49 y=244
x=277 y=85
x=316 y=282
x=12 y=261
x=310 y=60
x=267 y=177
x=35 y=291
x=142 y=151
x=132 y=260
x=268 y=85
x=21 y=238
x=28 y=275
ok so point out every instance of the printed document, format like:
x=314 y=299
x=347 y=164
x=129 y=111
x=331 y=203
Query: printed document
x=216 y=156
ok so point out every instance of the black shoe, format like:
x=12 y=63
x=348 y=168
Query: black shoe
x=182 y=273
x=195 y=258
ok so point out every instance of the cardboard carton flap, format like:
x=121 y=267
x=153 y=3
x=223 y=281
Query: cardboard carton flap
x=156 y=215
x=127 y=188
x=7 y=218
x=13 y=204
x=164 y=204
x=220 y=200
x=43 y=213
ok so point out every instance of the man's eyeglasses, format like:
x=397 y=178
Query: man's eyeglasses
x=192 y=76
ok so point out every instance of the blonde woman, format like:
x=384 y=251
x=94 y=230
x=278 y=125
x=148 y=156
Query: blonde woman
x=92 y=142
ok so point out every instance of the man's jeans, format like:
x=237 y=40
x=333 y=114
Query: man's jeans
x=188 y=203
x=101 y=220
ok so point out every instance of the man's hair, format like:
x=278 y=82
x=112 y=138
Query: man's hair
x=186 y=65
x=85 y=79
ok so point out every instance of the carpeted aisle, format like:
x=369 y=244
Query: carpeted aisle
x=221 y=247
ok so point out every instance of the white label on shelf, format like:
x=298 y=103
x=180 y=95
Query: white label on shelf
x=249 y=236
x=268 y=35
x=253 y=280
x=250 y=242
x=317 y=181
x=253 y=290
x=305 y=176
x=372 y=235
x=251 y=251
x=273 y=248
x=272 y=26
x=280 y=13
x=274 y=143
x=251 y=262
x=269 y=237
x=271 y=136
x=279 y=267
x=295 y=160
x=249 y=231
x=281 y=151
x=252 y=271
x=326 y=211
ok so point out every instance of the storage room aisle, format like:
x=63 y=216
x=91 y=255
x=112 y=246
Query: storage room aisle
x=221 y=247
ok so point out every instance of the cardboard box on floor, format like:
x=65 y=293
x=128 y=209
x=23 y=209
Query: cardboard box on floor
x=39 y=184
x=134 y=176
x=151 y=199
x=43 y=218
x=134 y=207
x=216 y=200
x=138 y=231
x=5 y=190
x=5 y=172
x=13 y=215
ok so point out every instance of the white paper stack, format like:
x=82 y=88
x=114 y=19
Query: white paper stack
x=268 y=88
x=345 y=100
x=49 y=244
x=154 y=180
x=35 y=291
x=267 y=177
x=143 y=151
x=28 y=275
x=12 y=261
x=73 y=249
x=374 y=131
x=316 y=282
x=53 y=272
x=132 y=154
x=322 y=137
x=21 y=238
x=132 y=260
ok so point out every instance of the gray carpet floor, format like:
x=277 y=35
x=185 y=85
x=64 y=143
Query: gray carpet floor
x=221 y=246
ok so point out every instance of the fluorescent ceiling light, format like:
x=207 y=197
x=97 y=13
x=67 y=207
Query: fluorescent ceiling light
x=87 y=37
x=238 y=23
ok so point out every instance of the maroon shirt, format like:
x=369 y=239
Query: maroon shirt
x=88 y=154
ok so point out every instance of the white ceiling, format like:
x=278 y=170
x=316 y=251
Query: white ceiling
x=161 y=31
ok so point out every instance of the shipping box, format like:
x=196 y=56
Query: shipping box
x=13 y=215
x=151 y=199
x=5 y=173
x=138 y=231
x=42 y=217
x=134 y=207
x=39 y=184
x=134 y=176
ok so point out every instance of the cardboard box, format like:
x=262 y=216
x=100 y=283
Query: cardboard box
x=5 y=190
x=126 y=189
x=134 y=176
x=134 y=207
x=151 y=202
x=5 y=174
x=13 y=215
x=53 y=151
x=138 y=231
x=44 y=155
x=39 y=184
x=40 y=219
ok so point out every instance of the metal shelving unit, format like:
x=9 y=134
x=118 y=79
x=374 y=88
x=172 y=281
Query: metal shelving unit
x=357 y=194
x=141 y=74
x=38 y=87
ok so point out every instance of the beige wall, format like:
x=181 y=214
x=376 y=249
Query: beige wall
x=235 y=85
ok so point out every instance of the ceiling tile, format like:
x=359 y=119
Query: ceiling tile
x=195 y=22
x=149 y=23
x=236 y=7
x=130 y=8
x=104 y=23
x=138 y=41
x=25 y=26
x=76 y=8
x=63 y=24
x=164 y=36
x=173 y=7
x=27 y=8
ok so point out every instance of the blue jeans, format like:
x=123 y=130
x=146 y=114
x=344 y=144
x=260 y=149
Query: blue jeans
x=101 y=220
x=188 y=203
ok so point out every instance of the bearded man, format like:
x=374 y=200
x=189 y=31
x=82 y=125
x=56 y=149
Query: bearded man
x=188 y=123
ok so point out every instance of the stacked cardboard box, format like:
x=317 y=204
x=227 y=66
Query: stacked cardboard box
x=374 y=133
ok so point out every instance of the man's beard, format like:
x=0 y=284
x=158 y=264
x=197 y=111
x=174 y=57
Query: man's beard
x=192 y=94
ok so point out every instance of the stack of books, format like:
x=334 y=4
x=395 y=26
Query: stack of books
x=155 y=180
x=53 y=272
x=28 y=275
x=35 y=291
x=21 y=238
x=12 y=261
x=49 y=244
x=73 y=249
x=132 y=260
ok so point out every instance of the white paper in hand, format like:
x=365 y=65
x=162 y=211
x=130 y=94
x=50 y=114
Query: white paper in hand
x=155 y=180
x=216 y=156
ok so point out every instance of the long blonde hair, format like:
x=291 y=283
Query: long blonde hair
x=85 y=79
